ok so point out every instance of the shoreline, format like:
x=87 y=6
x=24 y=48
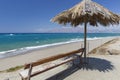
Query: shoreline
x=25 y=50
x=32 y=56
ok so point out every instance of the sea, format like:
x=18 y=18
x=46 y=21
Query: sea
x=12 y=44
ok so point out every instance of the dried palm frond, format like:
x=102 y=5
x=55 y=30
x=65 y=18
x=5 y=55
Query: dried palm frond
x=87 y=11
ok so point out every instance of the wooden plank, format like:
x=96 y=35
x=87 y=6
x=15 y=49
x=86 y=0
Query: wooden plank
x=52 y=58
x=41 y=70
x=58 y=64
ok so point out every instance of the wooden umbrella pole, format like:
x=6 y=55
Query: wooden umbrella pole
x=85 y=41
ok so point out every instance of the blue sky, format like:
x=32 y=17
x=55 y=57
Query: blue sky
x=34 y=15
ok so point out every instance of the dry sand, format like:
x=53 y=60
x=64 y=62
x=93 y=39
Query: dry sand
x=110 y=48
x=100 y=67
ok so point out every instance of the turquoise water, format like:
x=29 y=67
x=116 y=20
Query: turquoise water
x=17 y=43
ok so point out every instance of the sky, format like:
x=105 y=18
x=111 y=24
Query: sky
x=33 y=16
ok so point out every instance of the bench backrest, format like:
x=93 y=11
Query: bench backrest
x=52 y=58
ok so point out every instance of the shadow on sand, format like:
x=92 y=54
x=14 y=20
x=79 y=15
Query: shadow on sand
x=101 y=65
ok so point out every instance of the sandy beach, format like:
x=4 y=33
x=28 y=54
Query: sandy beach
x=101 y=67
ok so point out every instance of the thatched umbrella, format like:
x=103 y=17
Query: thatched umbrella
x=86 y=12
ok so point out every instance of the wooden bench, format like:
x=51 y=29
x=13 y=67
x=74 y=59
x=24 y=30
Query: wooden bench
x=30 y=70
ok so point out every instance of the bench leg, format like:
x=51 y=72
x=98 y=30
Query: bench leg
x=73 y=62
x=23 y=79
x=29 y=73
x=80 y=58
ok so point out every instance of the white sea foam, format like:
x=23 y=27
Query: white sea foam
x=11 y=34
x=5 y=52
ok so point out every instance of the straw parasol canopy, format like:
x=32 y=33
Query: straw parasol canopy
x=85 y=12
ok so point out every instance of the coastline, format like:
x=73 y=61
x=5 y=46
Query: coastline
x=34 y=55
x=24 y=50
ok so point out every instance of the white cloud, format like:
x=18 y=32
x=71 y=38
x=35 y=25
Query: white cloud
x=90 y=29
